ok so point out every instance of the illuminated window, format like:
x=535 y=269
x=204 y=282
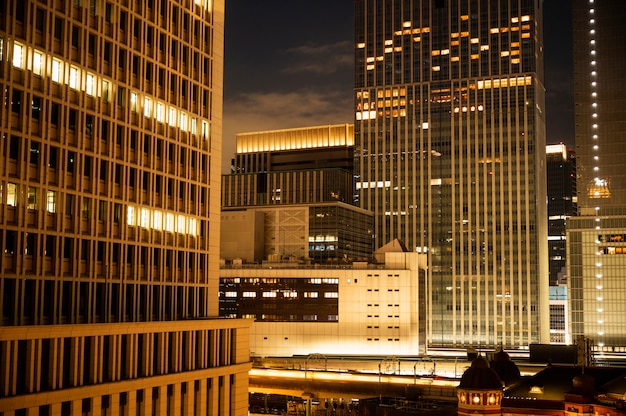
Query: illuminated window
x=269 y=294
x=310 y=295
x=56 y=70
x=249 y=294
x=194 y=126
x=37 y=62
x=230 y=294
x=205 y=129
x=147 y=107
x=18 y=55
x=157 y=220
x=130 y=216
x=331 y=295
x=11 y=194
x=74 y=77
x=193 y=224
x=171 y=120
x=169 y=222
x=145 y=217
x=160 y=112
x=51 y=202
x=183 y=121
x=181 y=224
x=90 y=85
x=133 y=101
x=32 y=197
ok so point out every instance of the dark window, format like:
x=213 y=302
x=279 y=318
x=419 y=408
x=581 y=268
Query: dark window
x=71 y=160
x=36 y=107
x=14 y=149
x=16 y=101
x=72 y=119
x=58 y=28
x=52 y=159
x=54 y=114
x=75 y=37
x=39 y=20
x=34 y=152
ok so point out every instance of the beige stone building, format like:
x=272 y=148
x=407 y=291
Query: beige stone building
x=109 y=206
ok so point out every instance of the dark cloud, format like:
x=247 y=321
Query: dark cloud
x=320 y=59
x=262 y=110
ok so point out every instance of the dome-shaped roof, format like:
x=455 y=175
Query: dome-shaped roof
x=584 y=384
x=506 y=369
x=480 y=376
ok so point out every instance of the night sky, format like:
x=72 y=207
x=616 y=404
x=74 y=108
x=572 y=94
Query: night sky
x=289 y=63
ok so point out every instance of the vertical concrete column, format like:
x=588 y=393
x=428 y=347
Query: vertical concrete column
x=146 y=407
x=161 y=402
x=201 y=397
x=114 y=405
x=213 y=397
x=96 y=406
x=76 y=407
x=187 y=398
x=176 y=399
x=131 y=403
x=55 y=409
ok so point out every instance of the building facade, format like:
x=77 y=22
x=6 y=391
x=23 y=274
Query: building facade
x=597 y=238
x=320 y=233
x=109 y=164
x=291 y=166
x=450 y=157
x=561 y=174
x=352 y=309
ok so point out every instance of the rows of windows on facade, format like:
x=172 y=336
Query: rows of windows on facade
x=106 y=145
x=106 y=118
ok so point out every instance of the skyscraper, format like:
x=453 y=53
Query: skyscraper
x=450 y=156
x=597 y=238
x=109 y=211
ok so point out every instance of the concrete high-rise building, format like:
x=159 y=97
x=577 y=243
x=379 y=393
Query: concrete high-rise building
x=109 y=211
x=597 y=238
x=450 y=156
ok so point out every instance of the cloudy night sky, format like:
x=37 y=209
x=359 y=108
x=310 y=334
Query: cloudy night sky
x=289 y=63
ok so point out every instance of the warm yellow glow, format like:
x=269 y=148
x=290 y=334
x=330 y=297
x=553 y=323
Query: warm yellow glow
x=18 y=55
x=154 y=219
x=90 y=87
x=37 y=62
x=504 y=82
x=147 y=107
x=74 y=79
x=302 y=138
x=56 y=70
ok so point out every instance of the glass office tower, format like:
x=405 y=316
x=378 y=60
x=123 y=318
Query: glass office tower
x=110 y=149
x=450 y=156
x=597 y=237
